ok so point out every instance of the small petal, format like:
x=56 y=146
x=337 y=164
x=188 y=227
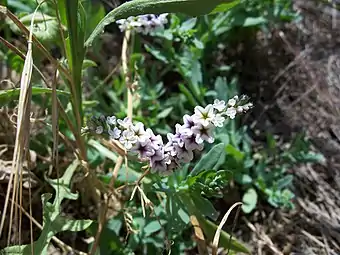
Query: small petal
x=99 y=130
x=115 y=133
x=219 y=105
x=231 y=112
x=232 y=102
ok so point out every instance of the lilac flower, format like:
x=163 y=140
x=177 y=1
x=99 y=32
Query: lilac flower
x=160 y=166
x=160 y=160
x=128 y=139
x=188 y=124
x=125 y=124
x=144 y=23
x=191 y=144
x=180 y=147
x=115 y=133
x=170 y=147
x=203 y=115
x=183 y=154
x=203 y=133
x=144 y=149
x=156 y=140
x=111 y=120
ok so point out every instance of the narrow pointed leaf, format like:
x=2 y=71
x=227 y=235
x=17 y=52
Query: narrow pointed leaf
x=139 y=7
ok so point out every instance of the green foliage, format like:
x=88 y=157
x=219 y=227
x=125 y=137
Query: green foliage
x=53 y=221
x=45 y=27
x=211 y=160
x=263 y=171
x=9 y=95
x=138 y=7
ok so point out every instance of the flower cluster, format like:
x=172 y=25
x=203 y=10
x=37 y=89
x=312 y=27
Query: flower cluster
x=144 y=23
x=188 y=137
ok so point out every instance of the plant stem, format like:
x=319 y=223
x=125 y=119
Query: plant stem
x=120 y=160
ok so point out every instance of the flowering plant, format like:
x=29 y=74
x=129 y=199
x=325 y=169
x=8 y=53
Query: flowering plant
x=144 y=24
x=164 y=158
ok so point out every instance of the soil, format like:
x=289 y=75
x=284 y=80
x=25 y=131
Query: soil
x=295 y=80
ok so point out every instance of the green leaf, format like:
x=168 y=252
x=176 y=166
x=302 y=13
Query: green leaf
x=45 y=27
x=13 y=94
x=204 y=206
x=177 y=216
x=251 y=21
x=64 y=224
x=89 y=63
x=73 y=17
x=188 y=25
x=249 y=200
x=138 y=7
x=209 y=228
x=190 y=97
x=243 y=178
x=156 y=53
x=163 y=114
x=53 y=222
x=153 y=227
x=225 y=7
x=231 y=150
x=212 y=160
x=284 y=182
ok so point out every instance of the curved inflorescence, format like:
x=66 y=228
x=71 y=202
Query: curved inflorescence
x=164 y=158
x=144 y=24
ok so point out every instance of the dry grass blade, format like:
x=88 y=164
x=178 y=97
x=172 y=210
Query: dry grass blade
x=39 y=45
x=220 y=226
x=199 y=236
x=22 y=139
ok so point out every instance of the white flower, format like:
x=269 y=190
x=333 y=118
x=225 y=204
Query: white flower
x=203 y=115
x=232 y=102
x=239 y=109
x=203 y=133
x=99 y=130
x=143 y=23
x=125 y=124
x=123 y=24
x=115 y=133
x=219 y=105
x=231 y=112
x=163 y=18
x=247 y=106
x=156 y=140
x=111 y=120
x=128 y=139
x=218 y=120
x=139 y=131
